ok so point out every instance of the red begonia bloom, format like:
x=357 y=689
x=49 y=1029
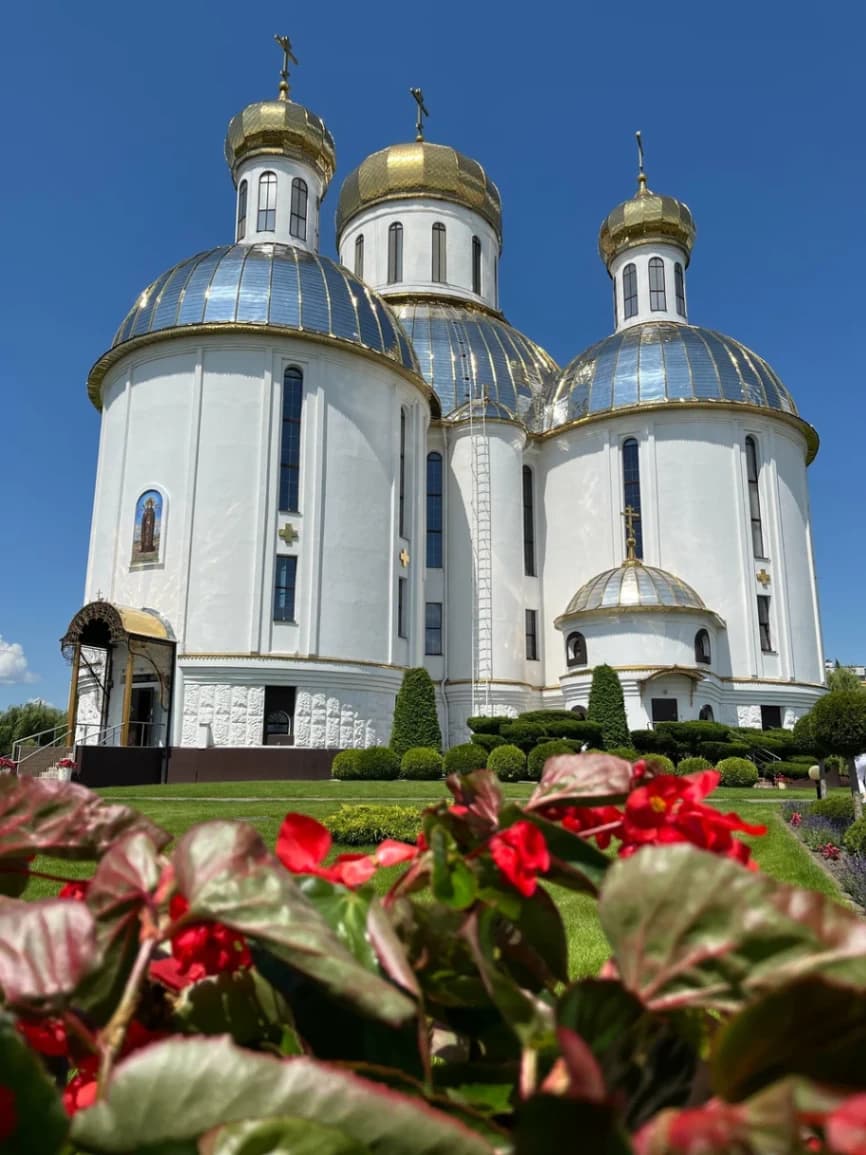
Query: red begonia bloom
x=80 y=1092
x=46 y=1036
x=521 y=854
x=585 y=820
x=714 y=1127
x=846 y=1127
x=76 y=890
x=205 y=948
x=8 y=1113
x=303 y=845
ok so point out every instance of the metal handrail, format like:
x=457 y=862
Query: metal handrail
x=59 y=731
x=105 y=732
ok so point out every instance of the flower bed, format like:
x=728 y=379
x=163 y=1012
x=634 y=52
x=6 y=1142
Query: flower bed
x=823 y=827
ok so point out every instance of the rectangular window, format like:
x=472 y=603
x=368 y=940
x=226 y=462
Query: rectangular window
x=754 y=497
x=395 y=253
x=629 y=291
x=434 y=511
x=290 y=438
x=532 y=635
x=433 y=628
x=285 y=573
x=439 y=272
x=680 y=284
x=764 y=623
x=359 y=257
x=476 y=265
x=402 y=517
x=266 y=220
x=664 y=709
x=242 y=210
x=298 y=214
x=658 y=302
x=401 y=608
x=528 y=524
x=771 y=717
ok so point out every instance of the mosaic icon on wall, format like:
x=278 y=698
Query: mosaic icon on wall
x=147 y=534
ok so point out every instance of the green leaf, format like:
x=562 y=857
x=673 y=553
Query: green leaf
x=454 y=884
x=541 y=928
x=241 y=1003
x=689 y=928
x=389 y=949
x=582 y=780
x=285 y=1136
x=810 y=1027
x=345 y=912
x=184 y=1088
x=42 y=1122
x=46 y=949
x=226 y=874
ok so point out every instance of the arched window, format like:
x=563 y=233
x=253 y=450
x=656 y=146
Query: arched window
x=277 y=724
x=657 y=284
x=629 y=292
x=242 y=210
x=290 y=441
x=631 y=489
x=528 y=523
x=395 y=253
x=575 y=650
x=359 y=256
x=706 y=714
x=298 y=216
x=702 y=648
x=496 y=281
x=615 y=309
x=440 y=272
x=754 y=497
x=402 y=518
x=476 y=265
x=579 y=713
x=434 y=510
x=680 y=286
x=267 y=214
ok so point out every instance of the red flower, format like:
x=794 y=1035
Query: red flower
x=80 y=1091
x=521 y=854
x=303 y=845
x=76 y=890
x=846 y=1127
x=796 y=818
x=8 y=1113
x=714 y=1127
x=205 y=948
x=585 y=820
x=47 y=1036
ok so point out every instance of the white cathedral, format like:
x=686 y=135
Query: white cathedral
x=315 y=473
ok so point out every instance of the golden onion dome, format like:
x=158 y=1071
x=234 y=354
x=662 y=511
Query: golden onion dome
x=420 y=169
x=646 y=217
x=280 y=128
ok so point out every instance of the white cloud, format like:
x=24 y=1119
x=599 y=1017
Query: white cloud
x=13 y=664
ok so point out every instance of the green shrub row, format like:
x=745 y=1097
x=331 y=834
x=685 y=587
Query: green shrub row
x=855 y=837
x=369 y=825
x=422 y=764
x=375 y=763
x=532 y=727
x=693 y=765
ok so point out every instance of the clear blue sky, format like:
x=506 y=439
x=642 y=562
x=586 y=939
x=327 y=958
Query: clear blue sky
x=114 y=116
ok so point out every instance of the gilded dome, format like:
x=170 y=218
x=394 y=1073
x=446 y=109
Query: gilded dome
x=646 y=217
x=634 y=585
x=419 y=169
x=280 y=128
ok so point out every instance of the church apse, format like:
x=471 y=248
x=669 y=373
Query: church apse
x=147 y=531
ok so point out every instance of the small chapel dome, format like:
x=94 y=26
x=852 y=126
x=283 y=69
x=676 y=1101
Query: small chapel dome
x=646 y=217
x=280 y=128
x=421 y=169
x=634 y=585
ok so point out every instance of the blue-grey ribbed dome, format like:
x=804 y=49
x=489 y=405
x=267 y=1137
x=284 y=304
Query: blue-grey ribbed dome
x=633 y=586
x=466 y=352
x=664 y=361
x=270 y=284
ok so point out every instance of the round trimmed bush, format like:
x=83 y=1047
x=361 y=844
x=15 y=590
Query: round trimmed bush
x=487 y=741
x=508 y=763
x=544 y=750
x=839 y=722
x=377 y=764
x=659 y=764
x=462 y=759
x=421 y=764
x=345 y=765
x=836 y=807
x=693 y=765
x=627 y=752
x=738 y=772
x=855 y=837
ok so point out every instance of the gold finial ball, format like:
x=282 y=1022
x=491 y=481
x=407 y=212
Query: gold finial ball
x=280 y=128
x=646 y=217
x=420 y=169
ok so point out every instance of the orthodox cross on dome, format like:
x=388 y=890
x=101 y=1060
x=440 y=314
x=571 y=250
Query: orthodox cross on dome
x=641 y=174
x=404 y=557
x=631 y=515
x=288 y=534
x=288 y=55
x=763 y=577
x=422 y=112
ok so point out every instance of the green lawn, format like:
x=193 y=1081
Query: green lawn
x=263 y=805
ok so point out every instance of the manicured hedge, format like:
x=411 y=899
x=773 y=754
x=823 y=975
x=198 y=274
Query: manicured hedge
x=836 y=807
x=378 y=763
x=416 y=722
x=789 y=769
x=659 y=764
x=421 y=764
x=627 y=752
x=855 y=837
x=544 y=750
x=606 y=706
x=738 y=772
x=653 y=742
x=345 y=765
x=368 y=825
x=523 y=734
x=487 y=741
x=693 y=765
x=508 y=763
x=690 y=734
x=462 y=759
x=486 y=724
x=716 y=751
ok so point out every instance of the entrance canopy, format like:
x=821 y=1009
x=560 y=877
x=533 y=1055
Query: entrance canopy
x=102 y=625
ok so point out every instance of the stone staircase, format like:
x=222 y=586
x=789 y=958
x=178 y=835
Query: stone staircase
x=36 y=761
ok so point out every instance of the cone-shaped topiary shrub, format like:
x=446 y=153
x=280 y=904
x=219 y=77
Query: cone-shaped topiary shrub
x=421 y=764
x=508 y=763
x=606 y=707
x=416 y=722
x=462 y=759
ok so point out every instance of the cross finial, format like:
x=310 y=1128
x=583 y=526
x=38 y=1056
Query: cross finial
x=631 y=515
x=641 y=174
x=422 y=112
x=288 y=55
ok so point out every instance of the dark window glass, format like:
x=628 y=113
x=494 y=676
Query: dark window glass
x=290 y=442
x=284 y=588
x=279 y=713
x=680 y=285
x=440 y=272
x=629 y=292
x=706 y=714
x=754 y=497
x=402 y=519
x=395 y=253
x=434 y=510
x=631 y=488
x=702 y=647
x=359 y=256
x=771 y=717
x=528 y=524
x=532 y=635
x=663 y=709
x=476 y=265
x=401 y=608
x=615 y=309
x=242 y=210
x=764 y=623
x=433 y=628
x=657 y=285
x=575 y=650
x=298 y=215
x=496 y=281
x=579 y=712
x=267 y=214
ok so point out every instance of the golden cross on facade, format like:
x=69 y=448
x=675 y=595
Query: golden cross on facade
x=763 y=577
x=288 y=534
x=631 y=515
x=288 y=55
x=422 y=112
x=404 y=557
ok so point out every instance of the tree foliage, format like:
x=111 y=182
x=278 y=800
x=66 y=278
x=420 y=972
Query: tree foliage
x=843 y=678
x=416 y=722
x=18 y=722
x=839 y=722
x=607 y=708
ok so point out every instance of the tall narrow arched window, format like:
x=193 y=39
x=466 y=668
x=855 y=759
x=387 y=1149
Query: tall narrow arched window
x=290 y=441
x=242 y=210
x=298 y=215
x=629 y=291
x=496 y=281
x=434 y=510
x=575 y=650
x=631 y=489
x=267 y=215
x=359 y=256
x=658 y=300
x=528 y=523
x=395 y=253
x=754 y=497
x=402 y=518
x=615 y=309
x=702 y=648
x=440 y=271
x=476 y=265
x=706 y=714
x=680 y=286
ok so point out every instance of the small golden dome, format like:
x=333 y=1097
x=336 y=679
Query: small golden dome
x=646 y=217
x=420 y=169
x=280 y=128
